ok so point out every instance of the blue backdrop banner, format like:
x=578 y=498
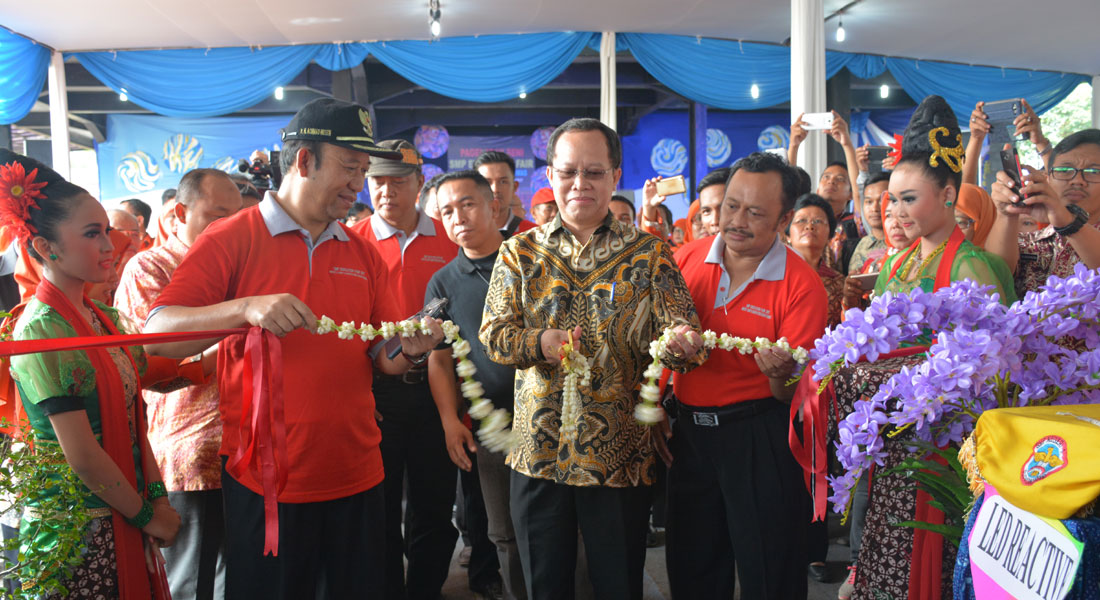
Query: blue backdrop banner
x=145 y=153
x=23 y=68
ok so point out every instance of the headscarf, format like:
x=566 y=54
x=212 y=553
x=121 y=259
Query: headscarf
x=976 y=204
x=689 y=235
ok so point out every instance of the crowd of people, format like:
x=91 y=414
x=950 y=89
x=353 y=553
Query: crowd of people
x=267 y=461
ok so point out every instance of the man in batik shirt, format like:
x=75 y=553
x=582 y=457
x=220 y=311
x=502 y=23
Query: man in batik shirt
x=184 y=427
x=615 y=289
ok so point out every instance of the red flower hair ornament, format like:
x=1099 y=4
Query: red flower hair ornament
x=18 y=192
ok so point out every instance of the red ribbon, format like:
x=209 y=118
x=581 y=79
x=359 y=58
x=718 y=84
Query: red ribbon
x=810 y=449
x=263 y=427
x=263 y=420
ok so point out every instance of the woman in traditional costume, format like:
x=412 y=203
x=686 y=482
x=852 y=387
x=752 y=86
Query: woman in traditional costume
x=86 y=402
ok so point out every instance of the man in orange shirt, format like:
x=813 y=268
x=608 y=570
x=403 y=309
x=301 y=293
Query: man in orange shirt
x=736 y=498
x=413 y=246
x=279 y=265
x=500 y=170
x=184 y=428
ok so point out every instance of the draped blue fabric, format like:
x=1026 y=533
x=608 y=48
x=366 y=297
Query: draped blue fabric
x=23 y=67
x=337 y=57
x=964 y=85
x=488 y=68
x=197 y=82
x=718 y=73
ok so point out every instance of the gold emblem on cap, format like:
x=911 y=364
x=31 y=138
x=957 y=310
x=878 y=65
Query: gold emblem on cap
x=364 y=118
x=410 y=157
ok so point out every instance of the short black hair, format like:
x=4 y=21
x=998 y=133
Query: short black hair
x=430 y=185
x=167 y=195
x=812 y=199
x=191 y=184
x=290 y=153
x=1075 y=139
x=357 y=208
x=490 y=157
x=614 y=144
x=141 y=208
x=836 y=163
x=469 y=174
x=716 y=177
x=766 y=162
x=806 y=183
x=622 y=198
x=878 y=178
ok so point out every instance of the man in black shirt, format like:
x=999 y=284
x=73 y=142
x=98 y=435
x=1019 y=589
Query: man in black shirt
x=467 y=209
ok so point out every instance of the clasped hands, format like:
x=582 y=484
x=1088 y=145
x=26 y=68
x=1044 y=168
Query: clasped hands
x=684 y=343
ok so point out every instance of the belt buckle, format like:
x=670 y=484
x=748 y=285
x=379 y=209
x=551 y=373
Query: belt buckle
x=412 y=377
x=705 y=419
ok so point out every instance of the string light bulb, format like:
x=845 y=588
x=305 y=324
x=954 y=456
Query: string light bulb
x=279 y=93
x=433 y=19
x=884 y=91
x=122 y=95
x=522 y=95
x=754 y=91
x=840 y=34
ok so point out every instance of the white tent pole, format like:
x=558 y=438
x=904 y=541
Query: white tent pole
x=808 y=76
x=1096 y=101
x=608 y=96
x=59 y=115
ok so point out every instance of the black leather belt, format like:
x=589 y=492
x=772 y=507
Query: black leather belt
x=411 y=377
x=713 y=416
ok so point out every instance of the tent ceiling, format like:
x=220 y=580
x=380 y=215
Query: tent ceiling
x=1008 y=33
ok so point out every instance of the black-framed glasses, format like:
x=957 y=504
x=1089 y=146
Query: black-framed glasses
x=1089 y=174
x=589 y=174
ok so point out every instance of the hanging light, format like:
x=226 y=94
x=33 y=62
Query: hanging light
x=433 y=18
x=755 y=91
x=122 y=95
x=279 y=93
x=522 y=95
x=884 y=91
x=840 y=35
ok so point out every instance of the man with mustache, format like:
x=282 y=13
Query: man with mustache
x=736 y=498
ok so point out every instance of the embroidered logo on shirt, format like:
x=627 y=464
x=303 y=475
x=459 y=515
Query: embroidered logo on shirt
x=361 y=274
x=756 y=310
x=432 y=258
x=1049 y=456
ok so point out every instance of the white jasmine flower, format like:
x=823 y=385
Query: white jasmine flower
x=648 y=415
x=461 y=348
x=650 y=393
x=325 y=325
x=480 y=409
x=346 y=330
x=466 y=368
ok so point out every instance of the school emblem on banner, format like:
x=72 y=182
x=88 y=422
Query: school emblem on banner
x=1049 y=456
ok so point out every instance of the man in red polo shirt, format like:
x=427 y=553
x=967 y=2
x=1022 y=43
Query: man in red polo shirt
x=413 y=247
x=736 y=498
x=279 y=265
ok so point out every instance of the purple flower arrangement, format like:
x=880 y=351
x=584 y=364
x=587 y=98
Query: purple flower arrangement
x=1044 y=349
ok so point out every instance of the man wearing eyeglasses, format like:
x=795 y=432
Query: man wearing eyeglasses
x=588 y=277
x=1067 y=197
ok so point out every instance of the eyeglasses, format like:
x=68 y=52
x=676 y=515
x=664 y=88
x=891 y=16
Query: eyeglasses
x=1089 y=174
x=589 y=174
x=810 y=223
x=964 y=222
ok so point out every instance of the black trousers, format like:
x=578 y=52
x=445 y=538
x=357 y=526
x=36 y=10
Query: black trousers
x=612 y=522
x=332 y=550
x=736 y=501
x=414 y=452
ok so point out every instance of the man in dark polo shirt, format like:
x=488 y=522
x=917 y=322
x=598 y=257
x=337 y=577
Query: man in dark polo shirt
x=736 y=498
x=467 y=209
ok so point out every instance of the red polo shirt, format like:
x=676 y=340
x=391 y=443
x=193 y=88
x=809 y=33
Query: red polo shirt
x=410 y=259
x=784 y=298
x=332 y=437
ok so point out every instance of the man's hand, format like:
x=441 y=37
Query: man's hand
x=650 y=199
x=853 y=294
x=840 y=131
x=863 y=158
x=978 y=121
x=551 y=341
x=459 y=439
x=1028 y=123
x=798 y=130
x=278 y=313
x=423 y=343
x=684 y=343
x=1040 y=201
x=775 y=363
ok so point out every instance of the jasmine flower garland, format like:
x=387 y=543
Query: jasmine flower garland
x=649 y=412
x=578 y=371
x=494 y=431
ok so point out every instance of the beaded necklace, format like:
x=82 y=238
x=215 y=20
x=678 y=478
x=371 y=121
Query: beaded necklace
x=904 y=275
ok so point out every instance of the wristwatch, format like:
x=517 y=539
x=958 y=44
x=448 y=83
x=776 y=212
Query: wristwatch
x=1081 y=216
x=416 y=360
